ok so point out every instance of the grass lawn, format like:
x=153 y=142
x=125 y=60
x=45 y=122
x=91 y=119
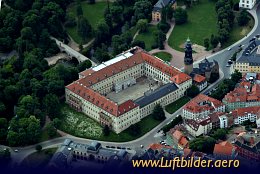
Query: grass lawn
x=164 y=56
x=38 y=159
x=202 y=22
x=147 y=37
x=92 y=12
x=80 y=125
x=173 y=107
x=239 y=32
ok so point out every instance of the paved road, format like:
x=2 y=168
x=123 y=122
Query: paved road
x=151 y=137
x=71 y=52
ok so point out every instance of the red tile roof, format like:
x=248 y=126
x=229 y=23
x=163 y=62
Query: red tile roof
x=239 y=112
x=214 y=117
x=240 y=94
x=100 y=100
x=159 y=64
x=155 y=146
x=180 y=78
x=202 y=103
x=183 y=142
x=199 y=78
x=177 y=135
x=87 y=72
x=223 y=148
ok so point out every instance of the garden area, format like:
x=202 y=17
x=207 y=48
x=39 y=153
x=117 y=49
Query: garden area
x=80 y=125
x=38 y=159
x=92 y=12
x=202 y=22
x=173 y=107
x=164 y=56
x=148 y=37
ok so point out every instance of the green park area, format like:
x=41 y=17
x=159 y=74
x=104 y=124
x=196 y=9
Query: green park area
x=39 y=159
x=92 y=12
x=173 y=107
x=164 y=56
x=148 y=37
x=202 y=22
x=80 y=125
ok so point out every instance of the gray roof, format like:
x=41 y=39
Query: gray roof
x=156 y=94
x=249 y=56
x=161 y=3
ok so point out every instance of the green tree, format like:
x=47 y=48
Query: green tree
x=219 y=134
x=52 y=132
x=106 y=130
x=243 y=18
x=51 y=105
x=84 y=65
x=206 y=43
x=236 y=76
x=84 y=28
x=142 y=10
x=193 y=91
x=180 y=16
x=56 y=122
x=173 y=123
x=102 y=33
x=79 y=10
x=158 y=113
x=139 y=43
x=142 y=25
x=213 y=41
x=203 y=144
x=3 y=129
x=38 y=148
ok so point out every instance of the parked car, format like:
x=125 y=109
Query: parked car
x=16 y=150
x=228 y=65
x=141 y=146
x=229 y=48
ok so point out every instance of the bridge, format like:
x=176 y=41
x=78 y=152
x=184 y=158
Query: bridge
x=71 y=52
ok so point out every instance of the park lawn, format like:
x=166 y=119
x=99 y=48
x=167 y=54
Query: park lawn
x=164 y=56
x=173 y=107
x=38 y=159
x=80 y=125
x=147 y=37
x=92 y=12
x=239 y=32
x=202 y=22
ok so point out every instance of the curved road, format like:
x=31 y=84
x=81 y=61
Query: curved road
x=222 y=58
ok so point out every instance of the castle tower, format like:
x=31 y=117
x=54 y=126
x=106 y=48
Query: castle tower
x=188 y=60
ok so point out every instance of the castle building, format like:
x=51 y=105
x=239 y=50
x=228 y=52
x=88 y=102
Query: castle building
x=123 y=90
x=188 y=60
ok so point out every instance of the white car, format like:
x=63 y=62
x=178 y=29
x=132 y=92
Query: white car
x=141 y=146
x=227 y=65
x=229 y=49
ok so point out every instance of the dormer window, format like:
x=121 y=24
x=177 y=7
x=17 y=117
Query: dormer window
x=105 y=75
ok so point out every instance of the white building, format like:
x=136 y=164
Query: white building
x=243 y=114
x=201 y=106
x=249 y=4
x=89 y=94
x=200 y=81
x=198 y=127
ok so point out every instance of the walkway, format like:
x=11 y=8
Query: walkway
x=71 y=52
x=178 y=56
